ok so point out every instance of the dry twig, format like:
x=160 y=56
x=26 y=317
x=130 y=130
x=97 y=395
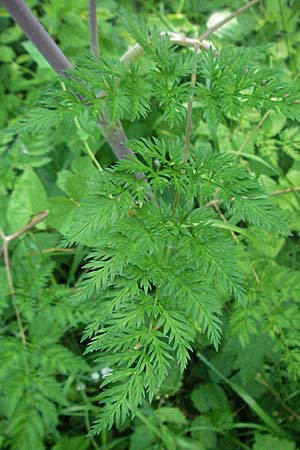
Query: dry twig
x=227 y=19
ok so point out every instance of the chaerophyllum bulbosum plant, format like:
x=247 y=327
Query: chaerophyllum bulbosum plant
x=163 y=221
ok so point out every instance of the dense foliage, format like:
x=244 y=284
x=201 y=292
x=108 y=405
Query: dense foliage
x=155 y=302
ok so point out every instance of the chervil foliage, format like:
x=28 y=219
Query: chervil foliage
x=228 y=84
x=237 y=79
x=33 y=373
x=162 y=262
x=159 y=271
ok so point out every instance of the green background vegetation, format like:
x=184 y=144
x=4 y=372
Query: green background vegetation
x=245 y=395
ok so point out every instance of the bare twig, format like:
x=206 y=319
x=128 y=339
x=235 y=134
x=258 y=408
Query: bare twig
x=134 y=52
x=6 y=240
x=36 y=220
x=94 y=41
x=286 y=191
x=6 y=262
x=184 y=41
x=231 y=16
x=52 y=250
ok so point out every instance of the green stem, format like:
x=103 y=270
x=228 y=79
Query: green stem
x=258 y=410
x=87 y=147
x=87 y=420
x=180 y=6
x=285 y=29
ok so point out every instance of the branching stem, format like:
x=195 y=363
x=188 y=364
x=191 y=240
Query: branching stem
x=4 y=249
x=227 y=19
x=21 y=14
x=114 y=135
x=36 y=33
x=36 y=220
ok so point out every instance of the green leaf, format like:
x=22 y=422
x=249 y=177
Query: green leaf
x=203 y=430
x=269 y=442
x=171 y=415
x=206 y=397
x=265 y=417
x=36 y=55
x=7 y=54
x=28 y=198
x=72 y=443
x=61 y=213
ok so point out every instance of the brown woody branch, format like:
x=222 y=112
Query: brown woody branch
x=94 y=41
x=114 y=135
x=227 y=19
x=21 y=14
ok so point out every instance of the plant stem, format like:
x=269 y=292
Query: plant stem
x=216 y=207
x=152 y=427
x=36 y=33
x=94 y=41
x=286 y=191
x=253 y=132
x=87 y=420
x=180 y=6
x=231 y=16
x=285 y=28
x=274 y=193
x=87 y=147
x=11 y=286
x=262 y=381
x=4 y=249
x=190 y=106
x=241 y=392
x=133 y=53
x=36 y=220
x=114 y=135
x=188 y=122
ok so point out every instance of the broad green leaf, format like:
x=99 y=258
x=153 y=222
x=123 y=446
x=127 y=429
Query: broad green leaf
x=28 y=198
x=7 y=54
x=203 y=430
x=171 y=415
x=61 y=211
x=206 y=397
x=36 y=55
x=269 y=442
